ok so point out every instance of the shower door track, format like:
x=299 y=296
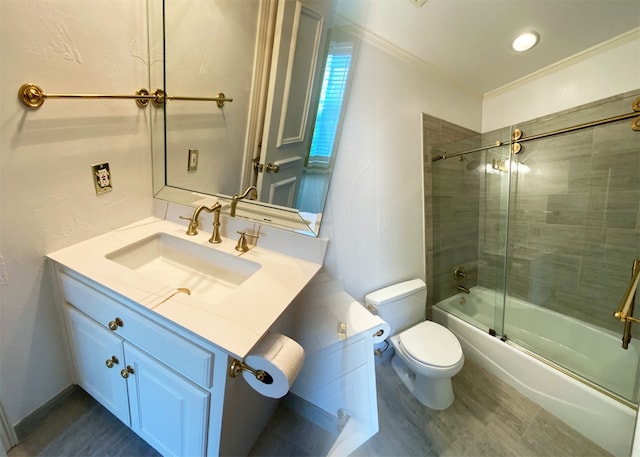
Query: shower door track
x=517 y=135
x=445 y=156
x=519 y=138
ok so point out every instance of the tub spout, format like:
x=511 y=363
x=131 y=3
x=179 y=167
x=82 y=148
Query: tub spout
x=462 y=288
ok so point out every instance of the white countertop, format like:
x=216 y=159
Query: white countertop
x=235 y=323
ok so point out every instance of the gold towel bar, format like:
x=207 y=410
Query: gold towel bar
x=161 y=97
x=32 y=96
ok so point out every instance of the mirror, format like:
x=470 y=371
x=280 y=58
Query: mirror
x=285 y=66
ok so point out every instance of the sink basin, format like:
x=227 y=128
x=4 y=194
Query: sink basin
x=207 y=273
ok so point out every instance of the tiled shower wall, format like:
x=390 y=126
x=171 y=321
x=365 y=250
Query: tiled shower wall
x=574 y=218
x=576 y=214
x=456 y=205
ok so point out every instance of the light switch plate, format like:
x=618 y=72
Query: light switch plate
x=101 y=177
x=192 y=164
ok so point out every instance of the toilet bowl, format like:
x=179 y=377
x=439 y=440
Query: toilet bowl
x=427 y=355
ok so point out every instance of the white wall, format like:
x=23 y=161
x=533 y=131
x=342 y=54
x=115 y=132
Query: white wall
x=374 y=214
x=605 y=71
x=47 y=196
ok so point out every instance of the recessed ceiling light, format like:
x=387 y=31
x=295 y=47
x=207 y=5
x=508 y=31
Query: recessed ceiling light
x=525 y=41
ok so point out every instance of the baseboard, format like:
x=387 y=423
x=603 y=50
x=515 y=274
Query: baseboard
x=309 y=411
x=23 y=427
x=7 y=433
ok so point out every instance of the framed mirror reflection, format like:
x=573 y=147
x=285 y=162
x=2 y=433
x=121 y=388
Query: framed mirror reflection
x=284 y=69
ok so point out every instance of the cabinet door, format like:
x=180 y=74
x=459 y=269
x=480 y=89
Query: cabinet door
x=92 y=347
x=167 y=410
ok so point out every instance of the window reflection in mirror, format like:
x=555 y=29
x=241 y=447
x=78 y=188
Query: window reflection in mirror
x=315 y=180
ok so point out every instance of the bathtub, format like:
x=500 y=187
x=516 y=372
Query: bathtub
x=606 y=421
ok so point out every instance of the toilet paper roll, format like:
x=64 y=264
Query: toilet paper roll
x=360 y=320
x=280 y=357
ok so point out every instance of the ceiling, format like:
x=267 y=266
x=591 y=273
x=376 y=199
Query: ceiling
x=470 y=40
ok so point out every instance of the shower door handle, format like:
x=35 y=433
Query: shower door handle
x=625 y=310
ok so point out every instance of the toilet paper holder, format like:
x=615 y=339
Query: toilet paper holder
x=237 y=366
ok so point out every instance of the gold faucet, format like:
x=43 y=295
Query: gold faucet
x=215 y=236
x=194 y=222
x=236 y=198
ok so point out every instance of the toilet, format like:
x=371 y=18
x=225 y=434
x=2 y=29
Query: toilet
x=427 y=355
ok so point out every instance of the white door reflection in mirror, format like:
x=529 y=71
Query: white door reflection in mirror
x=301 y=31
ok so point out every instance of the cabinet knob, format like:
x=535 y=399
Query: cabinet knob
x=126 y=372
x=112 y=361
x=114 y=324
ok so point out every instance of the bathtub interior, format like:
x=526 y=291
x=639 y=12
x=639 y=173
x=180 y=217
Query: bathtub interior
x=593 y=354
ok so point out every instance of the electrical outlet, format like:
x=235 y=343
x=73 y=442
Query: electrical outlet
x=192 y=164
x=101 y=177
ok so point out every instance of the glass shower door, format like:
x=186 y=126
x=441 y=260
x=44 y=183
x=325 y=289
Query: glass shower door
x=470 y=200
x=573 y=232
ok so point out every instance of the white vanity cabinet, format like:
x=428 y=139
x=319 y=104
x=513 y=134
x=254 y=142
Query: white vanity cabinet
x=152 y=379
x=95 y=351
x=174 y=334
x=142 y=392
x=167 y=410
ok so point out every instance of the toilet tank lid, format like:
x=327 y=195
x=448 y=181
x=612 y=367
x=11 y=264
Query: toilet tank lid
x=395 y=292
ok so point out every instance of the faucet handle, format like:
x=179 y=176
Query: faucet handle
x=242 y=245
x=193 y=225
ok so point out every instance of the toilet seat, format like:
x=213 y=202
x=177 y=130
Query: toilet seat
x=431 y=345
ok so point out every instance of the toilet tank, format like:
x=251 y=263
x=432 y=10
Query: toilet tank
x=400 y=305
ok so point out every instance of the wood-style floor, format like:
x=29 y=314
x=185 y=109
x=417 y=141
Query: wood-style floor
x=488 y=418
